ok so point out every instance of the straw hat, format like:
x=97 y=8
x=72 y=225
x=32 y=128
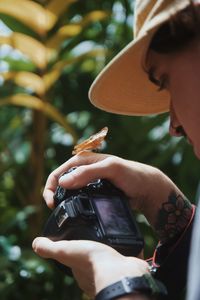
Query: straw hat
x=123 y=87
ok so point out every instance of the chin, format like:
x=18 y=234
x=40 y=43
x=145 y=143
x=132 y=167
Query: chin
x=197 y=152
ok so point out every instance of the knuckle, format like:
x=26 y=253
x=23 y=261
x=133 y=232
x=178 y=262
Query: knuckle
x=112 y=160
x=53 y=177
x=84 y=171
x=44 y=194
x=75 y=175
x=79 y=171
x=76 y=159
x=61 y=250
x=113 y=163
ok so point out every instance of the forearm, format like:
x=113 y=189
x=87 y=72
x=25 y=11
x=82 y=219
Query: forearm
x=168 y=210
x=173 y=216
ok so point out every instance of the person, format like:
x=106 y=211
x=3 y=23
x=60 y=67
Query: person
x=158 y=71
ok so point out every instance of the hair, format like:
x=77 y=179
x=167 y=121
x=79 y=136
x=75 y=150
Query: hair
x=178 y=32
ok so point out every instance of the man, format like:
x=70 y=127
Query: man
x=167 y=48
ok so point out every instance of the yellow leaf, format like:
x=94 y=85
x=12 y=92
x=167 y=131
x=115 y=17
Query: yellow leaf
x=94 y=16
x=35 y=50
x=26 y=80
x=65 y=32
x=36 y=103
x=29 y=13
x=71 y=30
x=4 y=40
x=58 y=7
x=53 y=75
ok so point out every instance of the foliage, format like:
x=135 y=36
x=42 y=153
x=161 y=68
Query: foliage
x=49 y=58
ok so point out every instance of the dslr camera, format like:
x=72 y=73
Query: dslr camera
x=98 y=212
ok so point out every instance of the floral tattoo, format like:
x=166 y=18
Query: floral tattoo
x=173 y=217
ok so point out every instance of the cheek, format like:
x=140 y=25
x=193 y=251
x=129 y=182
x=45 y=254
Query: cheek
x=181 y=102
x=185 y=91
x=185 y=99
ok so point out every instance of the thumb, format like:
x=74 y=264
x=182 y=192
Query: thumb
x=46 y=248
x=67 y=252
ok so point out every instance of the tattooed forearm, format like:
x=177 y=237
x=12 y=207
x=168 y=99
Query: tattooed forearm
x=173 y=217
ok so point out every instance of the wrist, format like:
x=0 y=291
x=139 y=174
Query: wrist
x=135 y=287
x=122 y=266
x=136 y=297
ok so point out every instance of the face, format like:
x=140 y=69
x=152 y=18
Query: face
x=179 y=73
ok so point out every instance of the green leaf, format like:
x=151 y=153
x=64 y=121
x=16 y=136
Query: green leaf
x=16 y=25
x=19 y=64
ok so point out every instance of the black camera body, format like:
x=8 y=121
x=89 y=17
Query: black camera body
x=98 y=212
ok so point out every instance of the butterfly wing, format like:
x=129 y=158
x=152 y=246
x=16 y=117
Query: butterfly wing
x=92 y=143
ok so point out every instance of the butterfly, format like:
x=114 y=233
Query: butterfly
x=94 y=142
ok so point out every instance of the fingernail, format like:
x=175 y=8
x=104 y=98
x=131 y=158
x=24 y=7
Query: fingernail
x=66 y=177
x=35 y=243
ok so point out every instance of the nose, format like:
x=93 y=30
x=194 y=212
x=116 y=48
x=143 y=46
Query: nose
x=175 y=128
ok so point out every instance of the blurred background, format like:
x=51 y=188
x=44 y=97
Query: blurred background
x=50 y=52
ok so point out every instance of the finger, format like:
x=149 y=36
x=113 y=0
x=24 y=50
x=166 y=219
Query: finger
x=87 y=173
x=77 y=160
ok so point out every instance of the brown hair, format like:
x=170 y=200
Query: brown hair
x=177 y=33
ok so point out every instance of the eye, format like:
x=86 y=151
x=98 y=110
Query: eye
x=163 y=82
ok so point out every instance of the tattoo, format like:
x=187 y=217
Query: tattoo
x=173 y=217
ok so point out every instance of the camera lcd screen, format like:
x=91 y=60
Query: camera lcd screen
x=113 y=216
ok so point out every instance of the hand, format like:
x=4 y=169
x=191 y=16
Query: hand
x=93 y=264
x=145 y=186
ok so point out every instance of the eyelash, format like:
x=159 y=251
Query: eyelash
x=162 y=83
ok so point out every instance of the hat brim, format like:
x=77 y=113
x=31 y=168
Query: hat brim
x=123 y=86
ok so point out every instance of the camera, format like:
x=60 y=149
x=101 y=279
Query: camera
x=98 y=212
